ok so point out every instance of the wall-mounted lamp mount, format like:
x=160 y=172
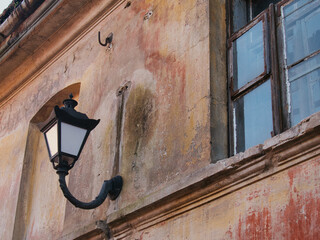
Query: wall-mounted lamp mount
x=66 y=132
x=108 y=42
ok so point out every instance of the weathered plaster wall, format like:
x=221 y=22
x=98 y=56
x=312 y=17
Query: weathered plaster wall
x=164 y=125
x=11 y=154
x=282 y=206
x=166 y=120
x=45 y=204
x=157 y=93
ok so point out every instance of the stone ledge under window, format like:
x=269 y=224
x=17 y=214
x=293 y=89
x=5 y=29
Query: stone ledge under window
x=299 y=143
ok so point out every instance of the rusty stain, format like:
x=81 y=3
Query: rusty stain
x=295 y=212
x=229 y=233
x=301 y=214
x=257 y=225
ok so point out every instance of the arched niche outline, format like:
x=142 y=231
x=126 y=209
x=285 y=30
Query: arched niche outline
x=23 y=225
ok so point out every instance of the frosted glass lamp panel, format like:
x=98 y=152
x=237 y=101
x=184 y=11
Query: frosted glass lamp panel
x=71 y=138
x=52 y=140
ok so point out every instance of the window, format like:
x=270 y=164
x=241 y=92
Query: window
x=301 y=23
x=274 y=67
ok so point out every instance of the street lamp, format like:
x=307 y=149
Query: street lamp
x=65 y=133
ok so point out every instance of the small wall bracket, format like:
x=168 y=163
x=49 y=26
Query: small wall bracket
x=108 y=41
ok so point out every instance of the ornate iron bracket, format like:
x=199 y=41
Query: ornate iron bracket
x=110 y=187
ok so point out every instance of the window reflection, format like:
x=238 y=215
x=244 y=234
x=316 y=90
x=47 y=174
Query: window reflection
x=260 y=5
x=246 y=10
x=248 y=56
x=253 y=118
x=302 y=30
x=305 y=89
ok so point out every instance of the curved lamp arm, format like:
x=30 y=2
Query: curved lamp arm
x=112 y=187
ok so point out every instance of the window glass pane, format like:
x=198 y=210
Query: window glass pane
x=305 y=89
x=253 y=118
x=52 y=139
x=71 y=138
x=294 y=5
x=248 y=56
x=245 y=10
x=302 y=30
x=304 y=68
x=240 y=16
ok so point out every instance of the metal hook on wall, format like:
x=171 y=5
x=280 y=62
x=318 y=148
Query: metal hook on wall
x=108 y=41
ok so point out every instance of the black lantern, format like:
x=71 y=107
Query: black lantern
x=65 y=133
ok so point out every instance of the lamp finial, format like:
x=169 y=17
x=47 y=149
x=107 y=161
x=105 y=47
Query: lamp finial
x=70 y=103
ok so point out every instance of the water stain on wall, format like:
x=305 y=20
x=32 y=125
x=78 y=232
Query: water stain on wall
x=139 y=120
